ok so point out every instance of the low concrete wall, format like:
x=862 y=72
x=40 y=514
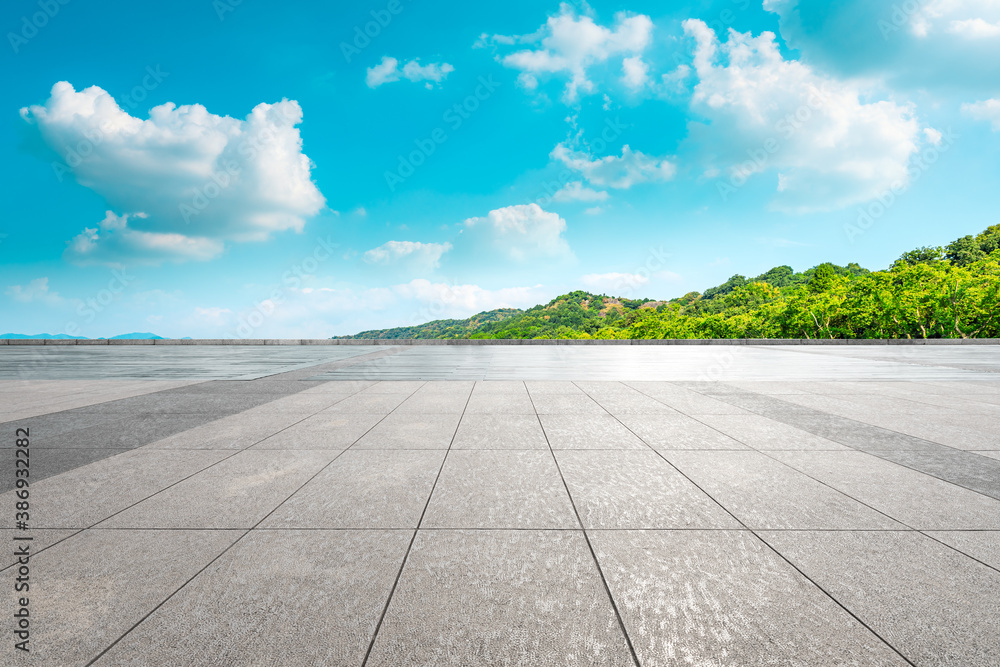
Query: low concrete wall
x=327 y=341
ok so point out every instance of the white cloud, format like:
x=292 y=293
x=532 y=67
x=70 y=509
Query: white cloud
x=577 y=191
x=635 y=72
x=388 y=70
x=829 y=148
x=917 y=45
x=974 y=29
x=37 y=291
x=570 y=45
x=987 y=110
x=522 y=232
x=594 y=210
x=614 y=283
x=933 y=136
x=424 y=256
x=114 y=243
x=192 y=175
x=612 y=171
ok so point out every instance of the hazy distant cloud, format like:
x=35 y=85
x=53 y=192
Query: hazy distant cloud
x=423 y=256
x=839 y=151
x=987 y=110
x=635 y=72
x=37 y=291
x=576 y=191
x=521 y=232
x=114 y=243
x=184 y=180
x=568 y=45
x=621 y=172
x=388 y=70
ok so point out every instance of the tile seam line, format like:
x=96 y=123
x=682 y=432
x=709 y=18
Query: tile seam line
x=845 y=444
x=586 y=536
x=882 y=360
x=763 y=541
x=413 y=538
x=224 y=551
x=926 y=533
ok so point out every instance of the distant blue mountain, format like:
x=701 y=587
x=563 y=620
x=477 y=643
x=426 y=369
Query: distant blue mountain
x=128 y=336
x=136 y=336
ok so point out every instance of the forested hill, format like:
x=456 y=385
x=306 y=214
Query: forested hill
x=930 y=292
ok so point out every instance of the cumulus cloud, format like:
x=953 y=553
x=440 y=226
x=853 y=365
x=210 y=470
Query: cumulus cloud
x=829 y=148
x=521 y=232
x=388 y=70
x=425 y=256
x=620 y=172
x=113 y=241
x=568 y=45
x=577 y=191
x=184 y=180
x=986 y=110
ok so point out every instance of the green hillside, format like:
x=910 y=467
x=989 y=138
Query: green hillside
x=929 y=292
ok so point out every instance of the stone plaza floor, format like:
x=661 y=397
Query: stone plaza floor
x=504 y=505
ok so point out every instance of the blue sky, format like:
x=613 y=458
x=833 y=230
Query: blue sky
x=252 y=169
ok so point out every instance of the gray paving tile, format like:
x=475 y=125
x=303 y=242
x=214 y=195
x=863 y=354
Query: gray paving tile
x=500 y=598
x=494 y=387
x=724 y=598
x=983 y=545
x=397 y=387
x=536 y=387
x=931 y=428
x=635 y=405
x=41 y=538
x=434 y=403
x=99 y=583
x=636 y=489
x=411 y=431
x=968 y=469
x=918 y=500
x=933 y=604
x=503 y=403
x=763 y=433
x=678 y=432
x=989 y=455
x=329 y=430
x=236 y=493
x=363 y=489
x=302 y=403
x=48 y=462
x=87 y=494
x=588 y=432
x=856 y=434
x=56 y=423
x=684 y=400
x=763 y=493
x=257 y=606
x=234 y=432
x=500 y=489
x=562 y=404
x=367 y=404
x=500 y=432
x=126 y=433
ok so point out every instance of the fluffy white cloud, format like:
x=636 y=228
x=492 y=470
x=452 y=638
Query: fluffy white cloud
x=192 y=175
x=425 y=256
x=830 y=149
x=987 y=110
x=568 y=45
x=577 y=191
x=388 y=70
x=521 y=232
x=620 y=172
x=37 y=291
x=114 y=243
x=635 y=72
